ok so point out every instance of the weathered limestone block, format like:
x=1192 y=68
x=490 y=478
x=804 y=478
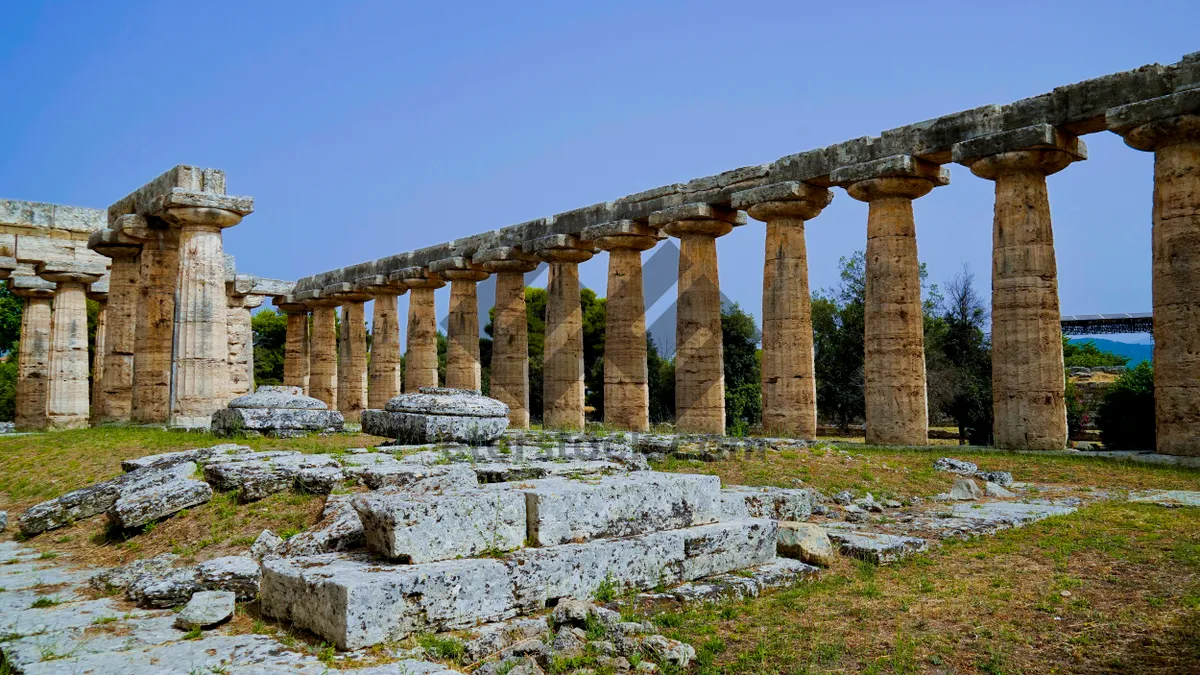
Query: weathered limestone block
x=626 y=382
x=562 y=374
x=339 y=530
x=205 y=610
x=699 y=365
x=174 y=586
x=424 y=529
x=276 y=411
x=504 y=472
x=420 y=364
x=510 y=331
x=148 y=501
x=169 y=459
x=384 y=471
x=256 y=475
x=33 y=373
x=875 y=547
x=894 y=343
x=439 y=415
x=565 y=511
x=356 y=602
x=741 y=501
x=1027 y=362
x=1170 y=127
x=806 y=542
x=68 y=508
x=788 y=380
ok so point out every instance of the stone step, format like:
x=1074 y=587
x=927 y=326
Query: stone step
x=875 y=547
x=355 y=601
x=792 y=504
x=426 y=528
x=566 y=511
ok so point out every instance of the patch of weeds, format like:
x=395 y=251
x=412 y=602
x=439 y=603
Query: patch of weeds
x=104 y=620
x=193 y=634
x=48 y=555
x=446 y=648
x=260 y=628
x=608 y=590
x=44 y=602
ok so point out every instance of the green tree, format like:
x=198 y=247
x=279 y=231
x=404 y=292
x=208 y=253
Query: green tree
x=11 y=308
x=1126 y=415
x=740 y=338
x=1088 y=355
x=959 y=358
x=269 y=330
x=595 y=318
x=661 y=379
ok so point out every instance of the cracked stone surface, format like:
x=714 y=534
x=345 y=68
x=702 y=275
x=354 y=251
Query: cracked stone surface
x=256 y=475
x=419 y=529
x=740 y=501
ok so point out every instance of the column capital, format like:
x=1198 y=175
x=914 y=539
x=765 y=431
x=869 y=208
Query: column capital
x=622 y=234
x=458 y=268
x=71 y=272
x=98 y=290
x=697 y=218
x=315 y=298
x=288 y=304
x=895 y=176
x=1158 y=122
x=505 y=259
x=789 y=199
x=246 y=301
x=7 y=265
x=377 y=285
x=1040 y=148
x=30 y=287
x=115 y=243
x=560 y=248
x=344 y=291
x=416 y=277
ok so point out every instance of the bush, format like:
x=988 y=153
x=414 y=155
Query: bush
x=1126 y=415
x=8 y=389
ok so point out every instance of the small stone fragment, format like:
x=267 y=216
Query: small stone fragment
x=267 y=543
x=670 y=651
x=119 y=578
x=3 y=520
x=965 y=490
x=572 y=612
x=955 y=466
x=805 y=542
x=845 y=498
x=567 y=644
x=1001 y=478
x=993 y=490
x=206 y=609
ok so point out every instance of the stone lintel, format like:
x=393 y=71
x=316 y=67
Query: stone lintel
x=63 y=270
x=15 y=213
x=621 y=228
x=1036 y=137
x=558 y=242
x=775 y=192
x=1128 y=117
x=378 y=284
x=697 y=211
x=905 y=166
x=454 y=264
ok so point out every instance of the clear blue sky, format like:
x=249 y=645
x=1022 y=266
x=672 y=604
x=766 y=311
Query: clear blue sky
x=364 y=129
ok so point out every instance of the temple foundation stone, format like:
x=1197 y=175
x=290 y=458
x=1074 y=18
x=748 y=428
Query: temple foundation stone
x=699 y=356
x=563 y=388
x=1028 y=380
x=1170 y=128
x=894 y=340
x=788 y=379
x=510 y=330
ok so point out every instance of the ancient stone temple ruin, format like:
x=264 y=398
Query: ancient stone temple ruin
x=175 y=347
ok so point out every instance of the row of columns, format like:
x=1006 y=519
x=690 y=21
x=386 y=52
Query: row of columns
x=1028 y=376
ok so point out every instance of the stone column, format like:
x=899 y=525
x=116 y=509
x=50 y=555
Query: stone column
x=323 y=355
x=33 y=368
x=352 y=350
x=420 y=363
x=155 y=334
x=1028 y=380
x=562 y=376
x=894 y=340
x=1170 y=128
x=114 y=401
x=788 y=381
x=241 y=343
x=510 y=330
x=626 y=382
x=201 y=363
x=383 y=373
x=67 y=395
x=97 y=386
x=699 y=357
x=295 y=349
x=462 y=336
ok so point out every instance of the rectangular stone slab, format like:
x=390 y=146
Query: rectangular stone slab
x=565 y=511
x=355 y=602
x=742 y=501
x=420 y=529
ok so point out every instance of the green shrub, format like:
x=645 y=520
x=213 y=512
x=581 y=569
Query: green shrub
x=8 y=389
x=1127 y=411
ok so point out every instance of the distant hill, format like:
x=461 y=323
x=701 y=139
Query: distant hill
x=1136 y=352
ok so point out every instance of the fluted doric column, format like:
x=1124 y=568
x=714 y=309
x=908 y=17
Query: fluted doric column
x=510 y=330
x=462 y=336
x=894 y=339
x=352 y=350
x=33 y=366
x=788 y=380
x=383 y=371
x=420 y=362
x=98 y=292
x=699 y=356
x=201 y=382
x=241 y=343
x=155 y=337
x=114 y=400
x=1028 y=380
x=67 y=394
x=563 y=388
x=1170 y=128
x=295 y=348
x=626 y=382
x=323 y=349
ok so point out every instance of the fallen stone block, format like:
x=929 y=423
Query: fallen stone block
x=277 y=411
x=158 y=495
x=339 y=530
x=1001 y=478
x=876 y=547
x=958 y=466
x=748 y=583
x=564 y=511
x=205 y=610
x=174 y=586
x=415 y=478
x=500 y=472
x=991 y=489
x=168 y=459
x=424 y=529
x=740 y=501
x=119 y=578
x=965 y=489
x=806 y=542
x=354 y=602
x=267 y=543
x=257 y=475
x=435 y=415
x=1167 y=498
x=723 y=547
